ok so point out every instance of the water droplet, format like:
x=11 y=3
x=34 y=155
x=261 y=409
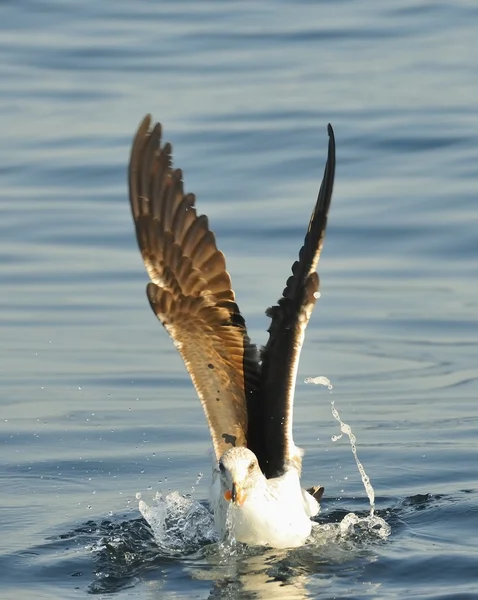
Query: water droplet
x=321 y=380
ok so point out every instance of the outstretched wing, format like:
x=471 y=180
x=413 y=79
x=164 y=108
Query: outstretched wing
x=190 y=290
x=280 y=356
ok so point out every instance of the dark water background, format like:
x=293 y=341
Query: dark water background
x=96 y=405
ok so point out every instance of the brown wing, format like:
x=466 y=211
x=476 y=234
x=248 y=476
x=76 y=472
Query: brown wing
x=280 y=356
x=190 y=290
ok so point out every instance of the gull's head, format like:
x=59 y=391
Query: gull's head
x=240 y=472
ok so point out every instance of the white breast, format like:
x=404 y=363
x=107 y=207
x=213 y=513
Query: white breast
x=275 y=514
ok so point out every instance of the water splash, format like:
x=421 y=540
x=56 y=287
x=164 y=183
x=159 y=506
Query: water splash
x=180 y=524
x=319 y=381
x=352 y=528
x=372 y=522
x=229 y=547
x=344 y=428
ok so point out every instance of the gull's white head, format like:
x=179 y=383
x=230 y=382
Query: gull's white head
x=240 y=472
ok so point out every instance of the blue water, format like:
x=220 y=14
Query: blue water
x=96 y=405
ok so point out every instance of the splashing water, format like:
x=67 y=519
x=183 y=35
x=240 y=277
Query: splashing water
x=180 y=524
x=344 y=428
x=319 y=381
x=372 y=522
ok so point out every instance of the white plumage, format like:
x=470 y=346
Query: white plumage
x=274 y=512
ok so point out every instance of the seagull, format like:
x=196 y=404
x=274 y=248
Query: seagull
x=247 y=394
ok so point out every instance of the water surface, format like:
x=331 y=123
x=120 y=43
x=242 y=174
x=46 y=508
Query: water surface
x=96 y=405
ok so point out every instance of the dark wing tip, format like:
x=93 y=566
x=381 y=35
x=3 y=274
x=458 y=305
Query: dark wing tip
x=289 y=318
x=325 y=192
x=310 y=251
x=145 y=124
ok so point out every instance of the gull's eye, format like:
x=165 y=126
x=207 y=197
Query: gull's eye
x=251 y=466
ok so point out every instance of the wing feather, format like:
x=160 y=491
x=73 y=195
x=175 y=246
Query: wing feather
x=190 y=290
x=280 y=356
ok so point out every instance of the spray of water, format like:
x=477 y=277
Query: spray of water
x=181 y=524
x=373 y=522
x=319 y=381
x=344 y=428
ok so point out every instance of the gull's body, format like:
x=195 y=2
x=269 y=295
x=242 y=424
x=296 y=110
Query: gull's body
x=275 y=512
x=247 y=396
